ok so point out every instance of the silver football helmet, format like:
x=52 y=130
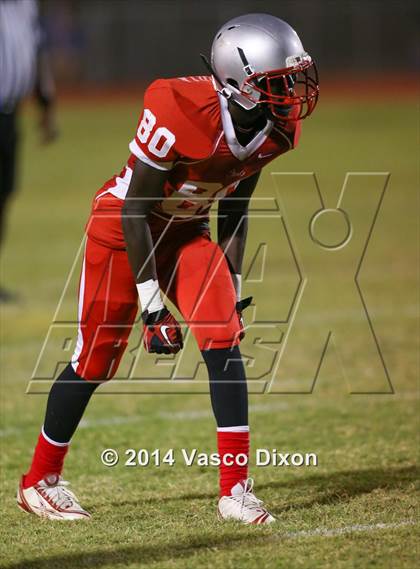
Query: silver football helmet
x=258 y=59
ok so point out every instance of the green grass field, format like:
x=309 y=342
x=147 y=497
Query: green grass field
x=358 y=507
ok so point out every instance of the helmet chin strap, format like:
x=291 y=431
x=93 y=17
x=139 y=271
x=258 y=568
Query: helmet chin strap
x=237 y=103
x=227 y=92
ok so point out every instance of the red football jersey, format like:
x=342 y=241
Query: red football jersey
x=186 y=128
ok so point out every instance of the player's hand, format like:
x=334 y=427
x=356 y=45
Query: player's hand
x=48 y=126
x=240 y=306
x=162 y=333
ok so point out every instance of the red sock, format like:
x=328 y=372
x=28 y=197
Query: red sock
x=48 y=459
x=232 y=443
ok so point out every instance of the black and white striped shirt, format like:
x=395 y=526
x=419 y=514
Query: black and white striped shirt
x=20 y=37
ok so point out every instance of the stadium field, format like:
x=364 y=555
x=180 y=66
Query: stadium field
x=358 y=507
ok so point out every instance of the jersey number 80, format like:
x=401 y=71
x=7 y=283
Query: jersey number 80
x=162 y=139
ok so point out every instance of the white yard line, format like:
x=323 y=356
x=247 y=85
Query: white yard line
x=171 y=416
x=206 y=413
x=109 y=421
x=334 y=532
x=193 y=415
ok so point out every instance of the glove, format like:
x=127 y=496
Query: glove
x=162 y=333
x=240 y=306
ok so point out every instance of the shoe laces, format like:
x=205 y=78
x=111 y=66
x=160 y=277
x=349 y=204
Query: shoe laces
x=58 y=493
x=248 y=498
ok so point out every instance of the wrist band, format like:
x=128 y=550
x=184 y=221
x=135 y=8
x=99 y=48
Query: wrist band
x=149 y=294
x=237 y=283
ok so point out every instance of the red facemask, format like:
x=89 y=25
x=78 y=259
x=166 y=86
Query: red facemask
x=290 y=94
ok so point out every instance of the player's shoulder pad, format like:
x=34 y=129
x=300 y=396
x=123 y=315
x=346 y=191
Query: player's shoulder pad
x=188 y=107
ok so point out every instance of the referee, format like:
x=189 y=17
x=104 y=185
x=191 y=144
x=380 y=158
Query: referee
x=24 y=68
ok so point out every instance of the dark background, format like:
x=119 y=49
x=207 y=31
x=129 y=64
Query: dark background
x=120 y=41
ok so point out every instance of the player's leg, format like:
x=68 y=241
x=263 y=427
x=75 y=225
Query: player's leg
x=207 y=299
x=107 y=308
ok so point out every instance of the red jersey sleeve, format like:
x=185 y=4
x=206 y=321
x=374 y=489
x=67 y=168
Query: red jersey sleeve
x=155 y=142
x=180 y=119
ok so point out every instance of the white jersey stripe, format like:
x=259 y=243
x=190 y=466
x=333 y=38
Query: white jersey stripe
x=138 y=152
x=79 y=344
x=121 y=185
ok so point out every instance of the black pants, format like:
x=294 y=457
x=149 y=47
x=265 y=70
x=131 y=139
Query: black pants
x=8 y=155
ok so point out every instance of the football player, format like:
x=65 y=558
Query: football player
x=199 y=139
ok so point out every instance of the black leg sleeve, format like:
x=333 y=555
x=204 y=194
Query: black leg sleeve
x=228 y=389
x=66 y=404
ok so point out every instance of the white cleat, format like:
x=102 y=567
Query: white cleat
x=50 y=498
x=244 y=506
